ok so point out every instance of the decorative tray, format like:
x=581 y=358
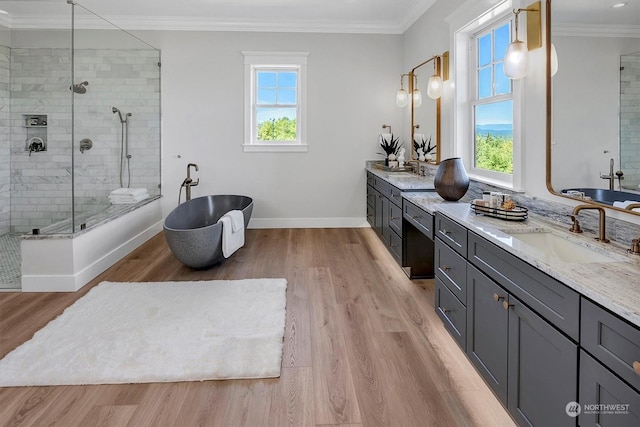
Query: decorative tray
x=516 y=214
x=390 y=169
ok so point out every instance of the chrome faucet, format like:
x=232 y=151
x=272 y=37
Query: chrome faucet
x=188 y=182
x=602 y=235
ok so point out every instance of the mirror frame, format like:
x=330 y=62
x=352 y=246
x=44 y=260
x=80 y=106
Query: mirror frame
x=441 y=64
x=550 y=122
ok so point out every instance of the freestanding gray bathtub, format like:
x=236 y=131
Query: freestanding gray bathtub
x=192 y=230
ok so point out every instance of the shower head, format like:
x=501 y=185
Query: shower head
x=79 y=88
x=114 y=110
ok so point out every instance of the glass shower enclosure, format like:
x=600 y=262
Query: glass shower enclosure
x=80 y=126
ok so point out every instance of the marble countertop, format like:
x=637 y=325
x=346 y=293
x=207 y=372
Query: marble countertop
x=614 y=285
x=405 y=181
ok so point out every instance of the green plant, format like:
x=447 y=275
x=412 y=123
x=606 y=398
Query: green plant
x=392 y=146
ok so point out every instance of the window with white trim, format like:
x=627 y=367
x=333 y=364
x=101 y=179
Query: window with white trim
x=275 y=101
x=492 y=103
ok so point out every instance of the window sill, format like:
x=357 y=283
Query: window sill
x=274 y=148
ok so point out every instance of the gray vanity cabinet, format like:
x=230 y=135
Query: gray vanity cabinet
x=519 y=324
x=487 y=330
x=384 y=213
x=609 y=368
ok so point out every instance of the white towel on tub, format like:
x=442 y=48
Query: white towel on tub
x=232 y=232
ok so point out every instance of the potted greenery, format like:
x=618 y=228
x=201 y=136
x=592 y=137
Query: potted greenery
x=390 y=148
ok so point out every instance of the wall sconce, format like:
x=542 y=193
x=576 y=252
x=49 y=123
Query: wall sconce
x=434 y=86
x=402 y=97
x=516 y=60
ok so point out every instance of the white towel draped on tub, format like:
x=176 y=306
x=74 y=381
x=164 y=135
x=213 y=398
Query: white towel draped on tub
x=232 y=232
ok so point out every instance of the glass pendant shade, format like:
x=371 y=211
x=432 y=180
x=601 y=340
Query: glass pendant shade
x=516 y=60
x=434 y=87
x=417 y=98
x=402 y=98
x=554 y=60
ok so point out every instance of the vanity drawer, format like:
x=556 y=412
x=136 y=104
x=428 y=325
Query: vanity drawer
x=451 y=269
x=395 y=246
x=452 y=233
x=452 y=313
x=382 y=186
x=395 y=195
x=420 y=219
x=613 y=341
x=551 y=299
x=395 y=218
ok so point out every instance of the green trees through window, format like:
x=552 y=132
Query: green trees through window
x=494 y=153
x=282 y=129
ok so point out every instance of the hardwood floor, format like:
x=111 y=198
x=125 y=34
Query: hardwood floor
x=363 y=347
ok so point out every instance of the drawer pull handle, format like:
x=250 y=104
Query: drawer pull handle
x=447 y=232
x=393 y=218
x=446 y=268
x=497 y=297
x=636 y=367
x=446 y=310
x=506 y=305
x=416 y=216
x=394 y=246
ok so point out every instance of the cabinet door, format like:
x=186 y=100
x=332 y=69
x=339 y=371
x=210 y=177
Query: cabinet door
x=385 y=230
x=378 y=212
x=543 y=370
x=487 y=330
x=605 y=400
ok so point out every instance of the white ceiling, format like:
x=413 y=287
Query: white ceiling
x=350 y=16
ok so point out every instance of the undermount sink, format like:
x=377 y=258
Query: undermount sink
x=561 y=247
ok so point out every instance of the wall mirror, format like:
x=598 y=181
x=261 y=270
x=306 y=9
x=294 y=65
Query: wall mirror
x=425 y=93
x=593 y=123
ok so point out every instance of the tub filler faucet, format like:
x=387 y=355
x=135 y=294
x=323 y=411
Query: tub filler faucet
x=188 y=181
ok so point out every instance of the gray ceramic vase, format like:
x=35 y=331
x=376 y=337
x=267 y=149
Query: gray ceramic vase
x=451 y=180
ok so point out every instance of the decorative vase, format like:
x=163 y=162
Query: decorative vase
x=451 y=180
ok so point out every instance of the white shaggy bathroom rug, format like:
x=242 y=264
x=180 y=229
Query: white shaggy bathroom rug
x=157 y=332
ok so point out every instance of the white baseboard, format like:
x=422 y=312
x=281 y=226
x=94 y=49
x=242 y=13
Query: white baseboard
x=354 y=222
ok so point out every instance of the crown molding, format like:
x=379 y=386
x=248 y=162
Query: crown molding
x=594 y=30
x=176 y=23
x=417 y=9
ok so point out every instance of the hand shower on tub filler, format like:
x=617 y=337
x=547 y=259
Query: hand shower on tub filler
x=188 y=182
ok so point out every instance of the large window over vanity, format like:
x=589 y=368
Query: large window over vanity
x=492 y=101
x=487 y=106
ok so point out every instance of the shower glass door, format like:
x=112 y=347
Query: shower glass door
x=116 y=120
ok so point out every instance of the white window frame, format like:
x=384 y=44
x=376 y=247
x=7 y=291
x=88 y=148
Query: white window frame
x=465 y=23
x=276 y=61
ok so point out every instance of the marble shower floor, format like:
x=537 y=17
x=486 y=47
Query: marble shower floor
x=10 y=264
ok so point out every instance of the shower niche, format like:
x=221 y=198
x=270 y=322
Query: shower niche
x=36 y=129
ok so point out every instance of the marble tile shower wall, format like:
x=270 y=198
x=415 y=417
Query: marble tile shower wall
x=5 y=150
x=41 y=183
x=630 y=120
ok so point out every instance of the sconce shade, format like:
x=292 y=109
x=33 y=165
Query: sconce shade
x=417 y=98
x=401 y=98
x=554 y=60
x=516 y=60
x=434 y=87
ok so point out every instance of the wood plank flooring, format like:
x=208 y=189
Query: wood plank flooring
x=363 y=347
